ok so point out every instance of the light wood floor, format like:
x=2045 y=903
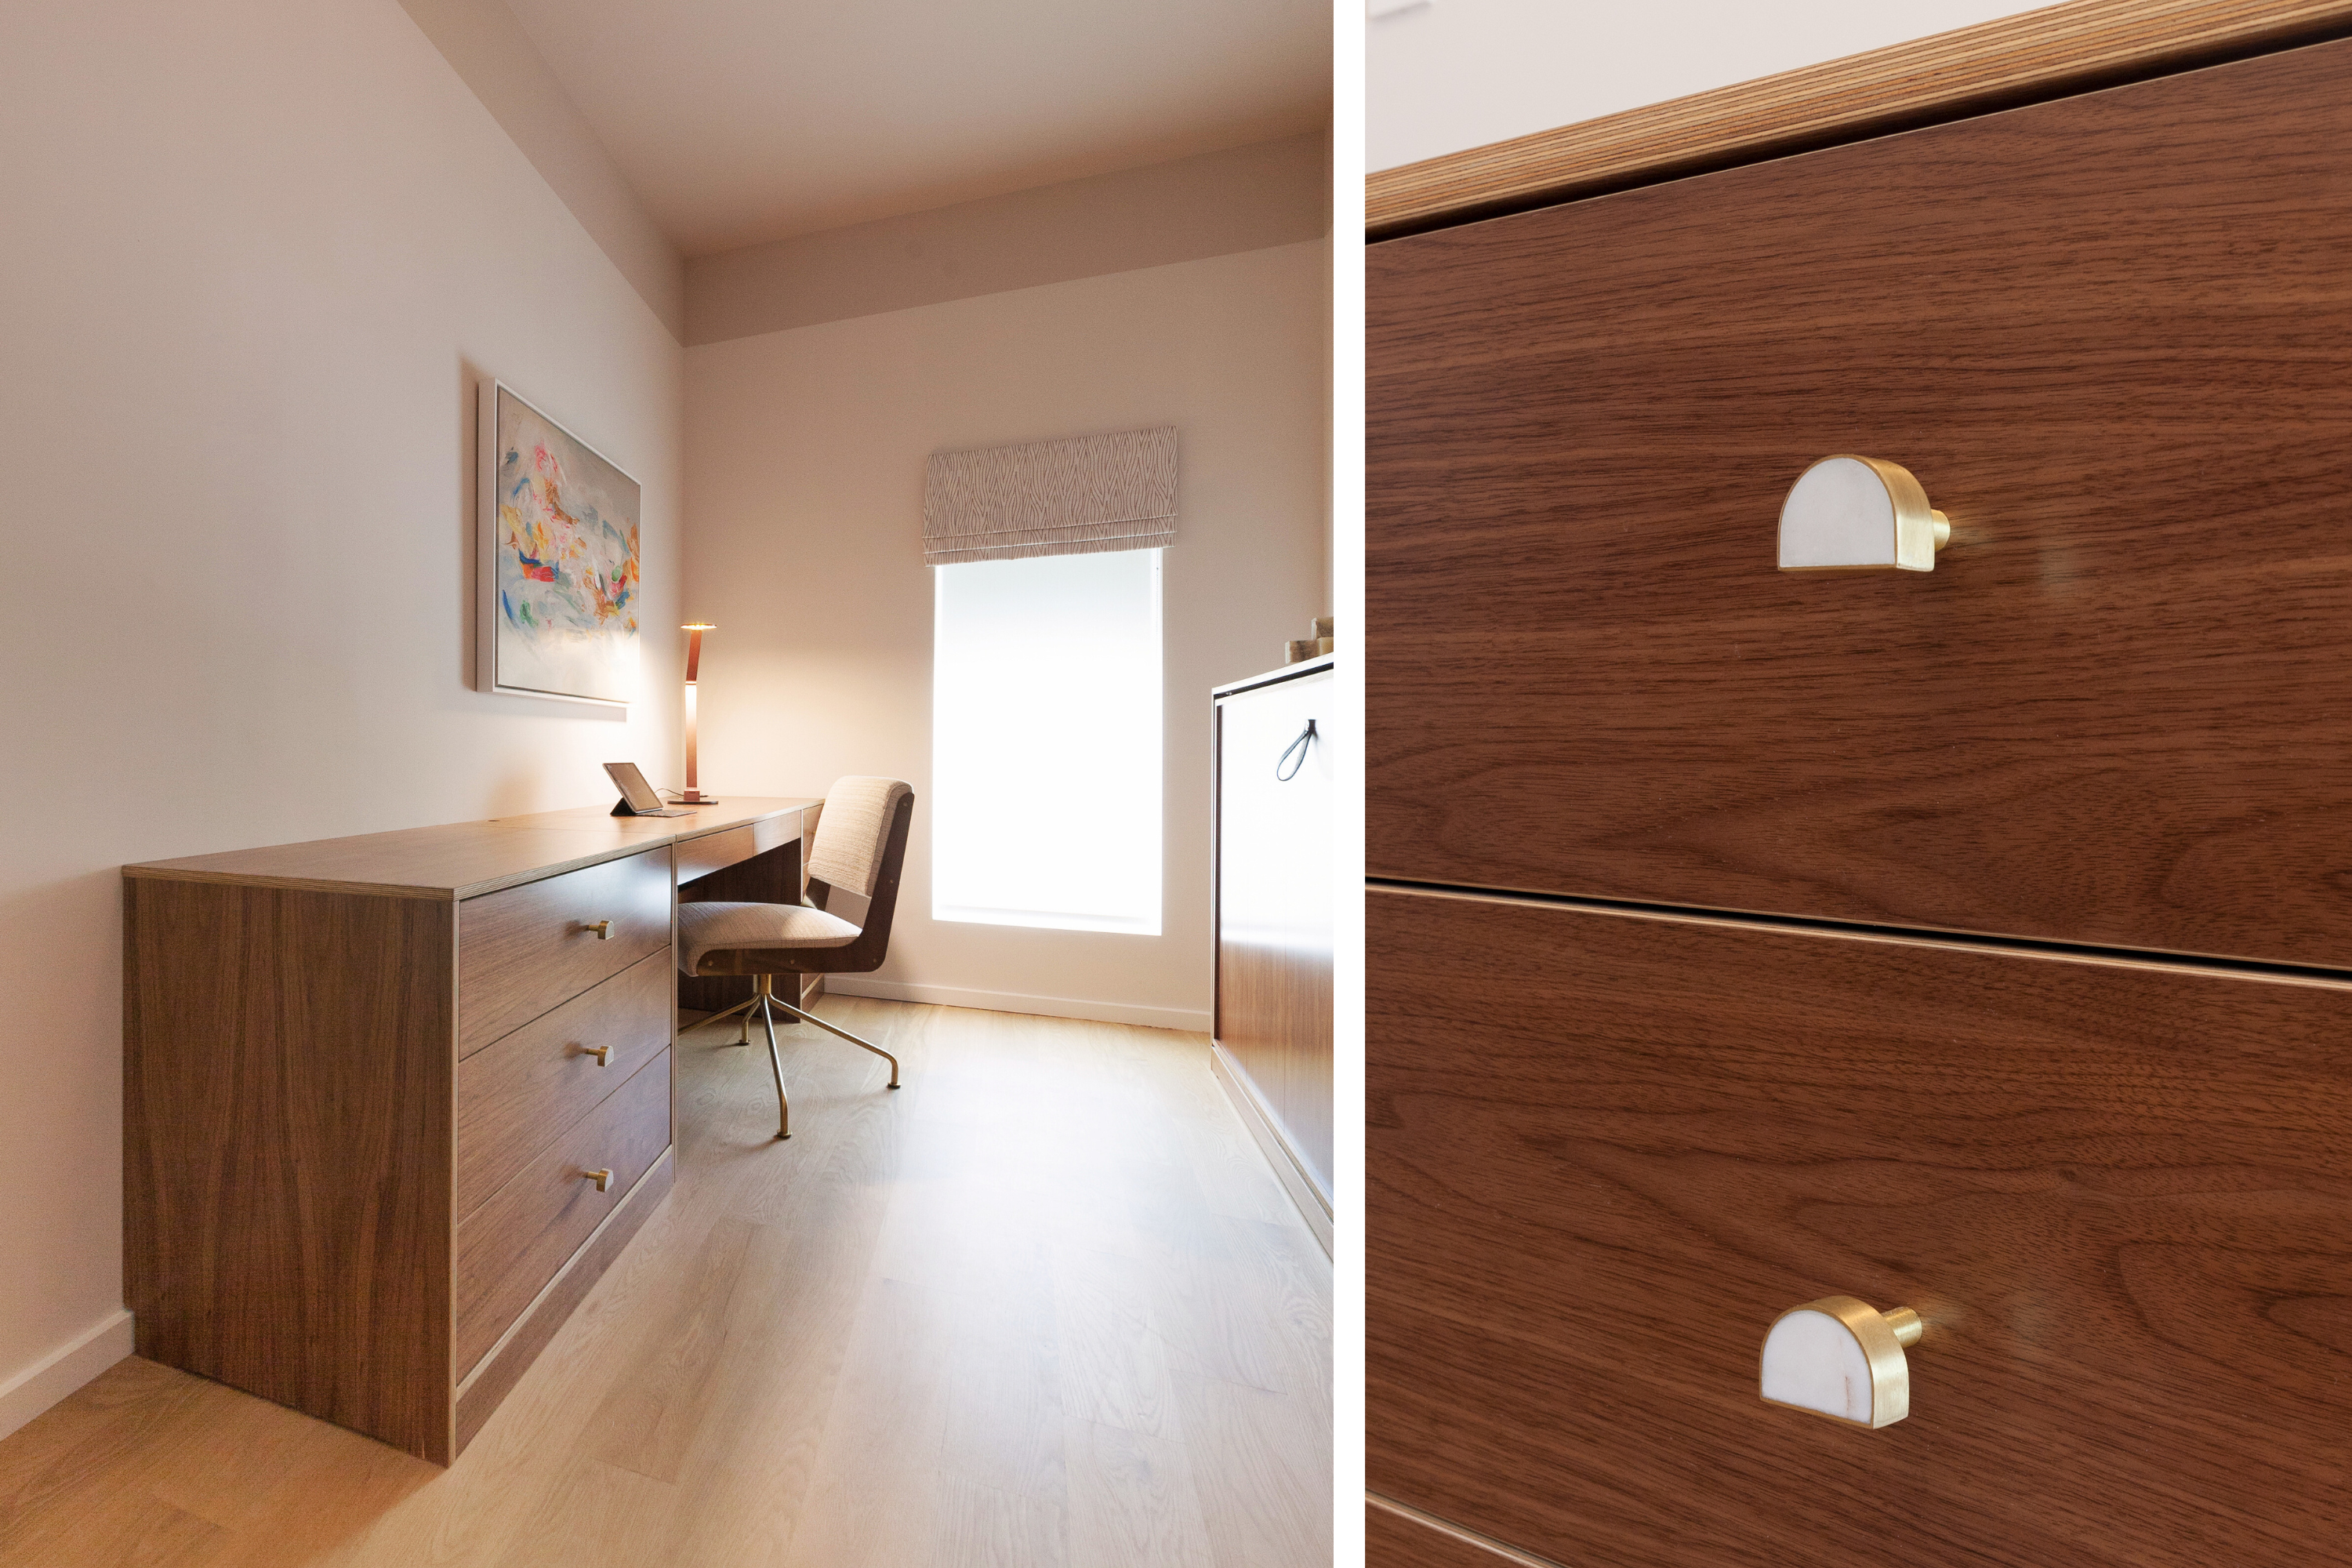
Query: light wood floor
x=1043 y=1306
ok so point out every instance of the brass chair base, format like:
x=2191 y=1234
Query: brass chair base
x=764 y=1000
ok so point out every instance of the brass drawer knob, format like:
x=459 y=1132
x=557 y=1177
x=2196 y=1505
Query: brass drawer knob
x=604 y=1054
x=603 y=930
x=601 y=1178
x=1838 y=1357
x=1850 y=514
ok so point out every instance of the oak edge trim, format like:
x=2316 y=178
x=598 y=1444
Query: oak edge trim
x=1288 y=1169
x=2080 y=45
x=291 y=884
x=1463 y=1533
x=164 y=871
x=556 y=1279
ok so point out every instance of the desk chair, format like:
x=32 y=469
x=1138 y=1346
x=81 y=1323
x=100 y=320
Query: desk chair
x=861 y=844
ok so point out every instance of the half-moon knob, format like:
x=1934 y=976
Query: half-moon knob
x=1853 y=514
x=1840 y=1358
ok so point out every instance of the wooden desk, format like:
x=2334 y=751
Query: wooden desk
x=369 y=1085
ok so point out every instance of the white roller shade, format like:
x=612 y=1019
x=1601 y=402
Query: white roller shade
x=1052 y=497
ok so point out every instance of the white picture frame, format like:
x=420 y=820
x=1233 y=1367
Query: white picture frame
x=572 y=634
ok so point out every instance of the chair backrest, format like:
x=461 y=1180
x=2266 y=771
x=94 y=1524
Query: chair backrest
x=853 y=831
x=883 y=865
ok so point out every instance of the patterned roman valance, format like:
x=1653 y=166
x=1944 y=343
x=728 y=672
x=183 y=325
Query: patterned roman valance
x=1051 y=498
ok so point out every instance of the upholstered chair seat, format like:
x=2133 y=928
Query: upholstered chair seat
x=705 y=928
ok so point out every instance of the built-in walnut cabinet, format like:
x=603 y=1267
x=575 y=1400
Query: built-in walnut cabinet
x=1273 y=822
x=392 y=1104
x=1975 y=940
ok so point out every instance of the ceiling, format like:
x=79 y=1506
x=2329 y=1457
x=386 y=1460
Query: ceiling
x=739 y=121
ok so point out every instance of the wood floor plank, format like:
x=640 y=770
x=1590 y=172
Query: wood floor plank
x=1132 y=1504
x=648 y=1420
x=1018 y=1312
x=1265 y=1489
x=982 y=1527
x=1115 y=1363
x=883 y=1435
x=153 y=1534
x=1004 y=1426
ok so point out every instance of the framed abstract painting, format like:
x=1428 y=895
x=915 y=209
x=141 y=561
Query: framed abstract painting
x=559 y=560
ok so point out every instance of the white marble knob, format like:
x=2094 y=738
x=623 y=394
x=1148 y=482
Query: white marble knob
x=1840 y=1358
x=1852 y=514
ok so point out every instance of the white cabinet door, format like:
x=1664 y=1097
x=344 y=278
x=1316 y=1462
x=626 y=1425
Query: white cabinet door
x=1274 y=905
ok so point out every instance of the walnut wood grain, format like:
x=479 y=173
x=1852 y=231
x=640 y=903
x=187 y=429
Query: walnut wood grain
x=1395 y=1539
x=513 y=1245
x=2111 y=335
x=2039 y=55
x=696 y=858
x=287 y=1148
x=522 y=951
x=519 y=1095
x=489 y=1385
x=1274 y=1019
x=2120 y=1196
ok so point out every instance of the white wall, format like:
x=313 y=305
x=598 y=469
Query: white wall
x=253 y=253
x=1453 y=74
x=804 y=455
x=1243 y=198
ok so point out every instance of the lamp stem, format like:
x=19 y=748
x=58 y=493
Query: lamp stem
x=694 y=795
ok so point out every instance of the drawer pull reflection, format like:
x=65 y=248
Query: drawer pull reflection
x=1840 y=1358
x=601 y=1178
x=1851 y=514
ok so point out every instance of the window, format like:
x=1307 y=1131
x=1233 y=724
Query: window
x=1045 y=733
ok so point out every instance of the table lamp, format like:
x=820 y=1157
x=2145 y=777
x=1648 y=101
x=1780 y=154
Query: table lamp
x=694 y=630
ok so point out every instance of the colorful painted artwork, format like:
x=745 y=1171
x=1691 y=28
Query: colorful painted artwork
x=565 y=563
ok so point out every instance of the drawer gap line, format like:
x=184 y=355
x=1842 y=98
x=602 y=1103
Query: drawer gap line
x=2066 y=952
x=1468 y=1536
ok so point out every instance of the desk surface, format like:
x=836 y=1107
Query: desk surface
x=462 y=859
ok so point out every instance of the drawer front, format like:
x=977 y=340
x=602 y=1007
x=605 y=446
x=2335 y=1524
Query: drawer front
x=523 y=950
x=2111 y=335
x=518 y=1095
x=717 y=851
x=514 y=1243
x=1607 y=1150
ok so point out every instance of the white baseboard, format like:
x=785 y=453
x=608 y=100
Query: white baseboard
x=63 y=1370
x=1187 y=1019
x=1312 y=1205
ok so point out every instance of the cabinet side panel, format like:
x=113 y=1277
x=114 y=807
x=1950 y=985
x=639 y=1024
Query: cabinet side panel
x=1273 y=908
x=287 y=1148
